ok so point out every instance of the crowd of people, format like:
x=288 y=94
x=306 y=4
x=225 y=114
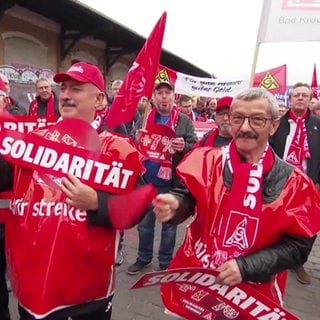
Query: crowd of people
x=238 y=183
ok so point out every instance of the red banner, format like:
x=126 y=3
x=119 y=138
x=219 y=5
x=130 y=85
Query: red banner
x=201 y=128
x=202 y=298
x=156 y=143
x=25 y=123
x=100 y=171
x=273 y=80
x=166 y=74
x=140 y=79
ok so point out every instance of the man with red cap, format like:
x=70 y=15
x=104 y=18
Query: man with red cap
x=68 y=271
x=220 y=136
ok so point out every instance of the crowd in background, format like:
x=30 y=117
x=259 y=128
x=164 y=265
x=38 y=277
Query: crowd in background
x=178 y=112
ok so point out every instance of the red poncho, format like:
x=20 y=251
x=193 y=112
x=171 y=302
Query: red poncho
x=205 y=244
x=55 y=259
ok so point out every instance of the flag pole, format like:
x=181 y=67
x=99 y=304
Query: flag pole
x=254 y=64
x=260 y=35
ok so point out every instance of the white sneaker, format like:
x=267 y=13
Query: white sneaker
x=119 y=258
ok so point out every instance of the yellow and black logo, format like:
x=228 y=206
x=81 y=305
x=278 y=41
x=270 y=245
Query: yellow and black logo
x=269 y=82
x=162 y=76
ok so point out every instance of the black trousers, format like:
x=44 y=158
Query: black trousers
x=4 y=295
x=96 y=314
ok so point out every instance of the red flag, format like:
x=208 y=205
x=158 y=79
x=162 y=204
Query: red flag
x=165 y=74
x=273 y=80
x=140 y=79
x=314 y=83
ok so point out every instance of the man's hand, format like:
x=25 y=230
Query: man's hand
x=178 y=144
x=78 y=194
x=229 y=273
x=139 y=133
x=165 y=206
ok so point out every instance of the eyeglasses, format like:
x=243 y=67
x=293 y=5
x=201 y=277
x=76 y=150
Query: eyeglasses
x=187 y=106
x=255 y=122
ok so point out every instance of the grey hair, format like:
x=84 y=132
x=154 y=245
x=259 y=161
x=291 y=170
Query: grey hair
x=42 y=79
x=256 y=93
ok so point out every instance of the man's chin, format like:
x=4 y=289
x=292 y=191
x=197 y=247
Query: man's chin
x=67 y=113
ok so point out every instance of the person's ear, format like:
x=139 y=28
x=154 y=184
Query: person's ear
x=274 y=126
x=100 y=98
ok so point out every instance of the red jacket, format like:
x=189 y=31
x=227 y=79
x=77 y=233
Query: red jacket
x=55 y=258
x=278 y=218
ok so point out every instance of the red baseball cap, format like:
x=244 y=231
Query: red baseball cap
x=82 y=72
x=224 y=102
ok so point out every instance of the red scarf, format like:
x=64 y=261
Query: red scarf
x=165 y=170
x=50 y=107
x=208 y=141
x=299 y=148
x=10 y=101
x=192 y=116
x=173 y=118
x=240 y=212
x=99 y=119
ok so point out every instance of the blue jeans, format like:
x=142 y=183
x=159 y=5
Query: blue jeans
x=146 y=238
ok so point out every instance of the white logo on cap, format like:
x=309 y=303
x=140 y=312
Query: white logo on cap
x=76 y=69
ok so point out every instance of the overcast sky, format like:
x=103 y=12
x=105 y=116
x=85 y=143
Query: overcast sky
x=218 y=36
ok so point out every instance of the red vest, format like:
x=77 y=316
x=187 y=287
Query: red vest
x=278 y=218
x=55 y=259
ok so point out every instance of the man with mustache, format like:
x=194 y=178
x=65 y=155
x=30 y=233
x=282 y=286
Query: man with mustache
x=248 y=225
x=62 y=262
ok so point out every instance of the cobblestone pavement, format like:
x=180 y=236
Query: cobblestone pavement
x=145 y=304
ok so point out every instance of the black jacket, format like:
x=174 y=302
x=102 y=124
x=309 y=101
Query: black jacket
x=15 y=108
x=278 y=142
x=43 y=105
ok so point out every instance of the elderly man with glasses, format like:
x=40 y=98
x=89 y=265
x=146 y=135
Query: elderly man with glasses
x=248 y=225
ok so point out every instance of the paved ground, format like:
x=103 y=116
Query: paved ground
x=145 y=304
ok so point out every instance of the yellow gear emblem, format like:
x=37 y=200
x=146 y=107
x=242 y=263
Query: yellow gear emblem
x=269 y=82
x=162 y=76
